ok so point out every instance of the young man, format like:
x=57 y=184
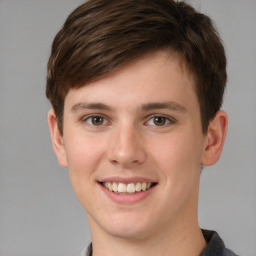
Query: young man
x=136 y=88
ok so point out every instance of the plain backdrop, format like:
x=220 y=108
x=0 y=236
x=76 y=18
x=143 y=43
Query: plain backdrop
x=39 y=214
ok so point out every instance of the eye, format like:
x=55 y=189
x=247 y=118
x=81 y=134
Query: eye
x=96 y=120
x=160 y=121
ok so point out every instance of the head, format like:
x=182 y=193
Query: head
x=136 y=89
x=102 y=36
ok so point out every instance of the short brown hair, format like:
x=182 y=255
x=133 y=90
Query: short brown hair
x=102 y=35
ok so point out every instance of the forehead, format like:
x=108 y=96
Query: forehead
x=159 y=76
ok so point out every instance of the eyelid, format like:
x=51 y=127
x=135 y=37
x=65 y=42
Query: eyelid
x=171 y=120
x=87 y=117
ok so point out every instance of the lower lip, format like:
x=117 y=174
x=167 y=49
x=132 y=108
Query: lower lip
x=127 y=198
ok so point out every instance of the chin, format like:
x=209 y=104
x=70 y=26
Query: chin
x=128 y=227
x=128 y=232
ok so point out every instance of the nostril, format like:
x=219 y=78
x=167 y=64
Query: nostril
x=115 y=162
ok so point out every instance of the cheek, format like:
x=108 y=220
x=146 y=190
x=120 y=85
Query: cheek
x=83 y=157
x=180 y=167
x=175 y=149
x=178 y=157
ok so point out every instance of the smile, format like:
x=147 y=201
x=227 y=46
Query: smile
x=130 y=188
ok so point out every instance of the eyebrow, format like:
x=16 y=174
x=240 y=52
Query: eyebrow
x=83 y=106
x=145 y=107
x=172 y=105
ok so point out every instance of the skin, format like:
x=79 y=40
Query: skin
x=132 y=138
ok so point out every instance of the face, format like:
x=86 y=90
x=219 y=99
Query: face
x=133 y=144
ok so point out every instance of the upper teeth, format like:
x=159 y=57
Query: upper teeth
x=126 y=188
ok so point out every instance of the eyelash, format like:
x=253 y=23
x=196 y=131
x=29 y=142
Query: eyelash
x=90 y=117
x=167 y=120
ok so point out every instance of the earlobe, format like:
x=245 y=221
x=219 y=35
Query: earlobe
x=215 y=139
x=57 y=139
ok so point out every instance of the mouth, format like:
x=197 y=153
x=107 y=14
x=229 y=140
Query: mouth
x=130 y=188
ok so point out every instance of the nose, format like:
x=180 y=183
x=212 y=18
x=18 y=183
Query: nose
x=126 y=148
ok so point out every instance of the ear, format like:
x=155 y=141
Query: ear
x=57 y=139
x=215 y=138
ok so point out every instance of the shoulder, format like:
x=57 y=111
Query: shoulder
x=215 y=245
x=87 y=251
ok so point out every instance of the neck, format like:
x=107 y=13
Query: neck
x=182 y=240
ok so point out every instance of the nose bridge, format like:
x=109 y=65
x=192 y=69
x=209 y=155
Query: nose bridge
x=126 y=145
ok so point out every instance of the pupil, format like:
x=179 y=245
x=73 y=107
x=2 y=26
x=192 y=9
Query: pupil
x=97 y=120
x=159 y=121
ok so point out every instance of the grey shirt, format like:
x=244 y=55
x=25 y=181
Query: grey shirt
x=215 y=246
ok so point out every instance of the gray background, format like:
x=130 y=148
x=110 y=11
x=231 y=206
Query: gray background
x=39 y=214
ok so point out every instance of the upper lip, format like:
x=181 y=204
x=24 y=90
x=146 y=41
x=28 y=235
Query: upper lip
x=127 y=180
